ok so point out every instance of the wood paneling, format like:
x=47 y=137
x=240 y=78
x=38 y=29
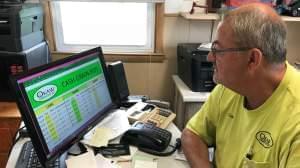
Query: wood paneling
x=9 y=123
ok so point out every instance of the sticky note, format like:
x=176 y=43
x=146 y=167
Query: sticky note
x=100 y=137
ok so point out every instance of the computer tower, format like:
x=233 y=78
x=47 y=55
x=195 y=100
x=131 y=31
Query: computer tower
x=15 y=62
x=118 y=81
x=193 y=68
x=120 y=90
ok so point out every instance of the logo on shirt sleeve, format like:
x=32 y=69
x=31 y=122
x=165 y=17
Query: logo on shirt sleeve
x=264 y=138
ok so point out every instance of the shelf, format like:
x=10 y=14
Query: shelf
x=200 y=16
x=214 y=16
x=187 y=94
x=290 y=19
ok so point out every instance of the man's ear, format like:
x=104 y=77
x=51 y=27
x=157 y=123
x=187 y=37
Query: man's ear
x=255 y=59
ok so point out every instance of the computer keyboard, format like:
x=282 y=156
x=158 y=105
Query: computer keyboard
x=29 y=159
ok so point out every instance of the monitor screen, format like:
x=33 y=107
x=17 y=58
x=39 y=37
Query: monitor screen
x=61 y=101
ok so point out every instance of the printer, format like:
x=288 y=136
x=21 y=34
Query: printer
x=193 y=68
x=21 y=26
x=22 y=43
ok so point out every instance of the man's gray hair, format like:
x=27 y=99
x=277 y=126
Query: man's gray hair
x=256 y=29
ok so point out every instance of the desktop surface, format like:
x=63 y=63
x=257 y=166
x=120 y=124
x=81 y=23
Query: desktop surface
x=163 y=162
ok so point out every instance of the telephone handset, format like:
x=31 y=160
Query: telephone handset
x=147 y=137
x=159 y=103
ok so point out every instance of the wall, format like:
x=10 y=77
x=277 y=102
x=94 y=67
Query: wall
x=155 y=79
x=293 y=47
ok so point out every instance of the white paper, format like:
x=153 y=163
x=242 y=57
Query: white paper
x=145 y=164
x=84 y=160
x=205 y=46
x=179 y=155
x=102 y=162
x=117 y=122
x=140 y=161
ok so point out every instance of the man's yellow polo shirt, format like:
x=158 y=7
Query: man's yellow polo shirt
x=270 y=134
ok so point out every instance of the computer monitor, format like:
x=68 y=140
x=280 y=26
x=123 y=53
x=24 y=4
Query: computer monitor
x=61 y=101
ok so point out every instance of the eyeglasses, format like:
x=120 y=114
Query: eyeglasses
x=215 y=51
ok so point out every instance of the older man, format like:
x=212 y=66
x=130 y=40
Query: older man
x=252 y=117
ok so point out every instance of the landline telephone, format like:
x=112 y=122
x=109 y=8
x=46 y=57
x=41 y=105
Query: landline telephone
x=149 y=138
x=150 y=113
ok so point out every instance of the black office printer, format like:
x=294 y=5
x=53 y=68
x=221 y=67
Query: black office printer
x=193 y=68
x=21 y=26
x=22 y=44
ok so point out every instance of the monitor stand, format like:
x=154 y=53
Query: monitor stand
x=62 y=160
x=77 y=149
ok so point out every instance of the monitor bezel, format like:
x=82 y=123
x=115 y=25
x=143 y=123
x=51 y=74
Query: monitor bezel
x=27 y=111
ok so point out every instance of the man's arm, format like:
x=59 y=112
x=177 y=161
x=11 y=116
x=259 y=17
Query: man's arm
x=195 y=149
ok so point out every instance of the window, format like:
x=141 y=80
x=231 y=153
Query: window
x=119 y=27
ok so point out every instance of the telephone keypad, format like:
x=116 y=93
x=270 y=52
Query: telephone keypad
x=157 y=119
x=151 y=122
x=156 y=130
x=164 y=113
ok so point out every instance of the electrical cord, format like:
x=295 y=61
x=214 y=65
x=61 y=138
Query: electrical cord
x=168 y=153
x=15 y=139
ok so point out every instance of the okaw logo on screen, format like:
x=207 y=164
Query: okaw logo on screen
x=45 y=93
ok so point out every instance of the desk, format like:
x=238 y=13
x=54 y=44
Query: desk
x=163 y=162
x=186 y=102
x=9 y=123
